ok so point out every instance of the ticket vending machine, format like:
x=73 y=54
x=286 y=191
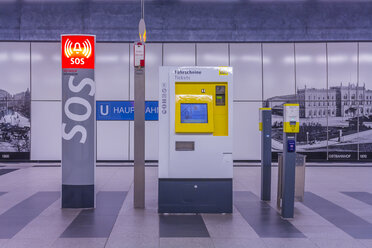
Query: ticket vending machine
x=195 y=140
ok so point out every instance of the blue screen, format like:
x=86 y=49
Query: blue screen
x=194 y=113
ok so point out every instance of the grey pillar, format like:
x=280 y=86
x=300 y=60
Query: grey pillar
x=139 y=137
x=266 y=155
x=289 y=171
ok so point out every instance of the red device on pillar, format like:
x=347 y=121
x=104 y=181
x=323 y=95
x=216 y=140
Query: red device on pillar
x=139 y=54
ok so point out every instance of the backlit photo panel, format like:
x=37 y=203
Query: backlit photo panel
x=343 y=90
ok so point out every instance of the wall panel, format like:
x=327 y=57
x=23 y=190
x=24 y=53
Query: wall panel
x=311 y=84
x=247 y=68
x=278 y=70
x=212 y=54
x=247 y=137
x=112 y=140
x=342 y=81
x=46 y=71
x=179 y=54
x=365 y=81
x=112 y=71
x=46 y=130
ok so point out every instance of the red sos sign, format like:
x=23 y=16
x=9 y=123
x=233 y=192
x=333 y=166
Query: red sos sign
x=78 y=51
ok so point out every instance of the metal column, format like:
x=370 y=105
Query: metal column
x=289 y=171
x=266 y=155
x=139 y=137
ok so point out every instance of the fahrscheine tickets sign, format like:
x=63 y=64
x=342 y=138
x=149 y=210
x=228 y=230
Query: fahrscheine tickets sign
x=78 y=121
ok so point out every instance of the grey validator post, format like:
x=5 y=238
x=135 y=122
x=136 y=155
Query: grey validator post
x=139 y=125
x=291 y=126
x=265 y=126
x=289 y=171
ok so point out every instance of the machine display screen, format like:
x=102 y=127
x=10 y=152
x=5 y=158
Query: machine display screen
x=194 y=113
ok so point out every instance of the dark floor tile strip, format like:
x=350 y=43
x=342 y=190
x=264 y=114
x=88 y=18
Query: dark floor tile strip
x=6 y=171
x=2 y=193
x=97 y=223
x=182 y=226
x=345 y=220
x=361 y=196
x=265 y=220
x=17 y=217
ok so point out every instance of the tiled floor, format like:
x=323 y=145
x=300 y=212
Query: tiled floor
x=337 y=212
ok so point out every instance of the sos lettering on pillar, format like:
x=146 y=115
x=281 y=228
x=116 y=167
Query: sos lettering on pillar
x=78 y=121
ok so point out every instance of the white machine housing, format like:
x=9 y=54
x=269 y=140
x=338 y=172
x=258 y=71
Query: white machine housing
x=212 y=157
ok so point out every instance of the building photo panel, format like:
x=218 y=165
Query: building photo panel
x=365 y=101
x=15 y=101
x=278 y=86
x=344 y=95
x=311 y=94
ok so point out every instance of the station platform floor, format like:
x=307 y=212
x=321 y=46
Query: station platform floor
x=336 y=212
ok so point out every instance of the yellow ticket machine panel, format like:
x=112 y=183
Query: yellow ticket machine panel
x=201 y=108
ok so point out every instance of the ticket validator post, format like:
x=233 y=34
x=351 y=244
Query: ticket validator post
x=195 y=140
x=291 y=126
x=265 y=128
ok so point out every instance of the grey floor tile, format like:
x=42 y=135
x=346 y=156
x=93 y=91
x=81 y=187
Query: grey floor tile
x=125 y=242
x=2 y=242
x=350 y=223
x=28 y=243
x=140 y=224
x=365 y=197
x=238 y=243
x=16 y=218
x=289 y=243
x=263 y=218
x=186 y=243
x=97 y=223
x=6 y=171
x=80 y=243
x=330 y=231
x=228 y=226
x=182 y=226
x=338 y=243
x=366 y=242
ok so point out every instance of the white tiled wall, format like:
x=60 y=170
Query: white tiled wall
x=266 y=70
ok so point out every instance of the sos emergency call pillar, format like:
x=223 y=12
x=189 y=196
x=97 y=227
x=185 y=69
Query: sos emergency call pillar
x=265 y=128
x=291 y=126
x=78 y=121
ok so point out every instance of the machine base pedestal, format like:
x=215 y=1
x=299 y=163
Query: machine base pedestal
x=195 y=196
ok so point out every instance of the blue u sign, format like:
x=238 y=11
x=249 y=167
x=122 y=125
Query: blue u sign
x=124 y=110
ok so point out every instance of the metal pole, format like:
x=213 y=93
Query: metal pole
x=139 y=137
x=266 y=155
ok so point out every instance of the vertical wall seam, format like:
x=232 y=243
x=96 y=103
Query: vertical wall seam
x=196 y=54
x=327 y=84
x=357 y=95
x=295 y=68
x=262 y=77
x=129 y=139
x=228 y=53
x=30 y=99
